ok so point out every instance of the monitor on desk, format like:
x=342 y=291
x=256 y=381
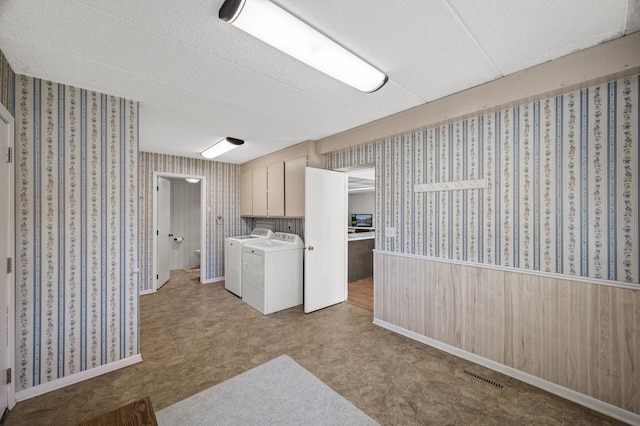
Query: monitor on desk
x=362 y=220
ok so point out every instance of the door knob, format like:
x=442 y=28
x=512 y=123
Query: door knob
x=310 y=248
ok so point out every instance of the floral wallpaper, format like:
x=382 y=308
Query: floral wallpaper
x=292 y=225
x=76 y=228
x=222 y=220
x=562 y=194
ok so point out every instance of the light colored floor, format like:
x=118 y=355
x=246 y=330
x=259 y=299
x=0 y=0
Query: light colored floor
x=194 y=336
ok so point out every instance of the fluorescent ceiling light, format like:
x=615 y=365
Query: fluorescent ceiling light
x=192 y=180
x=266 y=21
x=220 y=147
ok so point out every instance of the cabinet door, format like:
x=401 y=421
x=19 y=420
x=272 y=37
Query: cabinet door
x=275 y=189
x=246 y=193
x=294 y=186
x=259 y=179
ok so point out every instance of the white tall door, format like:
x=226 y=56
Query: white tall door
x=325 y=233
x=5 y=252
x=164 y=230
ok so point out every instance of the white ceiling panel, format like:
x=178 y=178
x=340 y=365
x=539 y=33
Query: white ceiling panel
x=519 y=35
x=199 y=79
x=413 y=41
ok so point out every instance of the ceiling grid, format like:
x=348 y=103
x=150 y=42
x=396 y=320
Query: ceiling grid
x=199 y=79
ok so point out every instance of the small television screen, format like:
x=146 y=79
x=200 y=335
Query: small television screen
x=362 y=220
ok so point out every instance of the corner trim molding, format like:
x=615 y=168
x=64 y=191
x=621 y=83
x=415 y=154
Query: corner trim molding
x=76 y=378
x=561 y=391
x=580 y=279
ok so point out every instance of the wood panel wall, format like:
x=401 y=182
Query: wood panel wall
x=582 y=336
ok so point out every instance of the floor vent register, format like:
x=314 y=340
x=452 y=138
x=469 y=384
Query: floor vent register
x=483 y=379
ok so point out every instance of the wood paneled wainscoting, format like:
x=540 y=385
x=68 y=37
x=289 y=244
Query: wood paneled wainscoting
x=576 y=338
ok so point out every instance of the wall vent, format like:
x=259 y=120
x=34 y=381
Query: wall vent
x=484 y=379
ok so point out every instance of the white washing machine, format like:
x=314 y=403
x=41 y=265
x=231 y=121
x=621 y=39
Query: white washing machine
x=272 y=273
x=233 y=257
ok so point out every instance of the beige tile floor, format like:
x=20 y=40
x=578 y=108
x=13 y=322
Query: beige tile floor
x=194 y=336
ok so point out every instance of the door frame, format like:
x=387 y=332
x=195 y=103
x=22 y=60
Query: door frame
x=10 y=283
x=203 y=222
x=352 y=170
x=166 y=257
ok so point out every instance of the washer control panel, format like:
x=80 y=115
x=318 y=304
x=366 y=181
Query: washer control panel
x=287 y=238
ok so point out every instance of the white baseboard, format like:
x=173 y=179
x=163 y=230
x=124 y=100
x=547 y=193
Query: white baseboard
x=212 y=280
x=561 y=391
x=209 y=281
x=75 y=378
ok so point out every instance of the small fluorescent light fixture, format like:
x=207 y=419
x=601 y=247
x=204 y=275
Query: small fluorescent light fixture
x=271 y=24
x=220 y=147
x=192 y=180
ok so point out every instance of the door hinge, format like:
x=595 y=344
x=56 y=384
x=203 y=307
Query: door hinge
x=9 y=265
x=9 y=155
x=8 y=375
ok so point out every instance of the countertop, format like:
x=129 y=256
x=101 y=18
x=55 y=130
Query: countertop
x=356 y=236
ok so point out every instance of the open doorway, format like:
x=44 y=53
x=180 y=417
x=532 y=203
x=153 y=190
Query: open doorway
x=361 y=236
x=179 y=214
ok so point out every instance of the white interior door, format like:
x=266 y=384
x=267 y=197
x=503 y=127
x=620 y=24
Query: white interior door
x=5 y=253
x=325 y=233
x=164 y=238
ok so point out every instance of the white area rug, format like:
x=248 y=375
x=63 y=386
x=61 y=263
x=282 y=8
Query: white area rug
x=279 y=392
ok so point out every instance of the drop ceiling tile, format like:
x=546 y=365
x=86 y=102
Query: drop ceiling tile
x=420 y=44
x=199 y=78
x=200 y=30
x=253 y=75
x=518 y=35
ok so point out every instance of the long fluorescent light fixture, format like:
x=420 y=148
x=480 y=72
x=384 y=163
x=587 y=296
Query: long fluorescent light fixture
x=271 y=24
x=220 y=147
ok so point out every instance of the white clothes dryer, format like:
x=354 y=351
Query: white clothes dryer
x=233 y=257
x=272 y=273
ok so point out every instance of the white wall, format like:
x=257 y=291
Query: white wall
x=185 y=222
x=361 y=202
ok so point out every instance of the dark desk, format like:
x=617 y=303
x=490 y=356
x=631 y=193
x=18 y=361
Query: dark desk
x=360 y=257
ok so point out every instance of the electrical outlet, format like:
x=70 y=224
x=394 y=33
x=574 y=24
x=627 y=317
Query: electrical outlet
x=390 y=232
x=289 y=226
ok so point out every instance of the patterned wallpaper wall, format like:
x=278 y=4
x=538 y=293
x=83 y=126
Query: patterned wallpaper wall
x=7 y=79
x=76 y=230
x=562 y=191
x=280 y=224
x=223 y=218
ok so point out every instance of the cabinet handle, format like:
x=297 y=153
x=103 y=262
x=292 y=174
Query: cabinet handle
x=310 y=248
